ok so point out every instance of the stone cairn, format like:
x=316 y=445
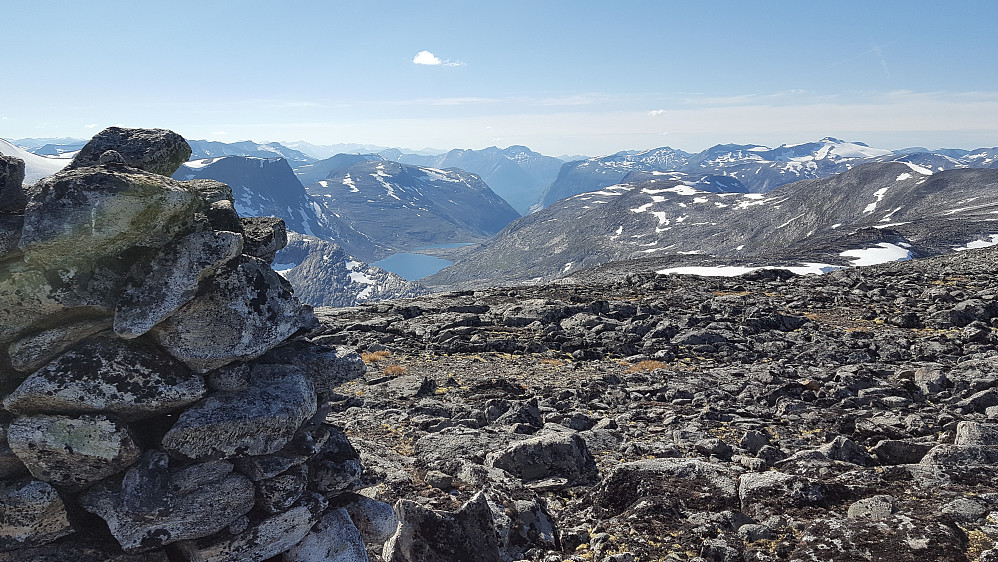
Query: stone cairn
x=160 y=400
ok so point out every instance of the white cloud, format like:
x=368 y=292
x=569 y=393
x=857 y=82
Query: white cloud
x=219 y=133
x=91 y=126
x=656 y=112
x=429 y=59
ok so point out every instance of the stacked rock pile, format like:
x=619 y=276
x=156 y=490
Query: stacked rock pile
x=159 y=399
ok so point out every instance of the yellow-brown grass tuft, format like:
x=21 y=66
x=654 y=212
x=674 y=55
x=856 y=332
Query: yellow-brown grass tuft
x=395 y=370
x=374 y=356
x=646 y=365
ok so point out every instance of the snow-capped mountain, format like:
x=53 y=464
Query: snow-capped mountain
x=405 y=207
x=516 y=173
x=759 y=168
x=213 y=149
x=35 y=167
x=312 y=172
x=911 y=209
x=268 y=187
x=322 y=274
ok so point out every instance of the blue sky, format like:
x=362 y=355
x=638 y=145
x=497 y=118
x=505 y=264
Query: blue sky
x=563 y=77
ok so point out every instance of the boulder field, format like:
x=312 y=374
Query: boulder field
x=846 y=416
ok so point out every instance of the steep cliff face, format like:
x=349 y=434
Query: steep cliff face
x=154 y=371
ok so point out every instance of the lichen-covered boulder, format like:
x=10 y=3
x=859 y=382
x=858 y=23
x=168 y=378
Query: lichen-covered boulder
x=33 y=351
x=217 y=204
x=31 y=514
x=683 y=484
x=423 y=534
x=72 y=452
x=262 y=539
x=265 y=236
x=12 y=199
x=240 y=313
x=81 y=547
x=81 y=215
x=327 y=367
x=376 y=520
x=333 y=539
x=336 y=466
x=555 y=455
x=155 y=506
x=772 y=492
x=154 y=150
x=112 y=376
x=33 y=300
x=894 y=538
x=157 y=287
x=257 y=421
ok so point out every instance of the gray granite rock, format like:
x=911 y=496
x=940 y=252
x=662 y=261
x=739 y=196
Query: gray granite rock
x=277 y=494
x=257 y=421
x=262 y=539
x=154 y=150
x=154 y=506
x=12 y=199
x=376 y=520
x=240 y=313
x=333 y=539
x=32 y=352
x=156 y=288
x=81 y=215
x=217 y=204
x=877 y=507
x=689 y=483
x=31 y=514
x=327 y=367
x=559 y=454
x=423 y=534
x=130 y=380
x=81 y=547
x=265 y=236
x=72 y=452
x=10 y=235
x=974 y=433
x=33 y=300
x=336 y=467
x=766 y=493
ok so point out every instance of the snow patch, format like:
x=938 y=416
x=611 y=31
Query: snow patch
x=884 y=252
x=973 y=244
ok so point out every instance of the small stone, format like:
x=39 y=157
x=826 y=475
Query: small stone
x=877 y=507
x=111 y=158
x=34 y=351
x=753 y=441
x=439 y=480
x=560 y=454
x=753 y=532
x=965 y=510
x=265 y=236
x=973 y=433
x=279 y=493
x=31 y=514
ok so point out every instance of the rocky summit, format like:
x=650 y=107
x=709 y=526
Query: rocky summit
x=167 y=397
x=160 y=399
x=846 y=416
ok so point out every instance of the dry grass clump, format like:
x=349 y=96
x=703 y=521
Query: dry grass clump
x=374 y=356
x=395 y=370
x=646 y=365
x=552 y=362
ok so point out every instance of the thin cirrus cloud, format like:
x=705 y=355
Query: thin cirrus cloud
x=426 y=58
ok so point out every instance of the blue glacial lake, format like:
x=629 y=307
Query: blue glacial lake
x=412 y=266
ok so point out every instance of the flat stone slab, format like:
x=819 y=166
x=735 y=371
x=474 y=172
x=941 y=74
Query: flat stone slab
x=261 y=540
x=131 y=380
x=154 y=506
x=256 y=421
x=156 y=288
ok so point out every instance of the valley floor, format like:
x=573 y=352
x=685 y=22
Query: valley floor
x=849 y=416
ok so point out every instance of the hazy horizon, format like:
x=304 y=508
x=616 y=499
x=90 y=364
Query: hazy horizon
x=560 y=77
